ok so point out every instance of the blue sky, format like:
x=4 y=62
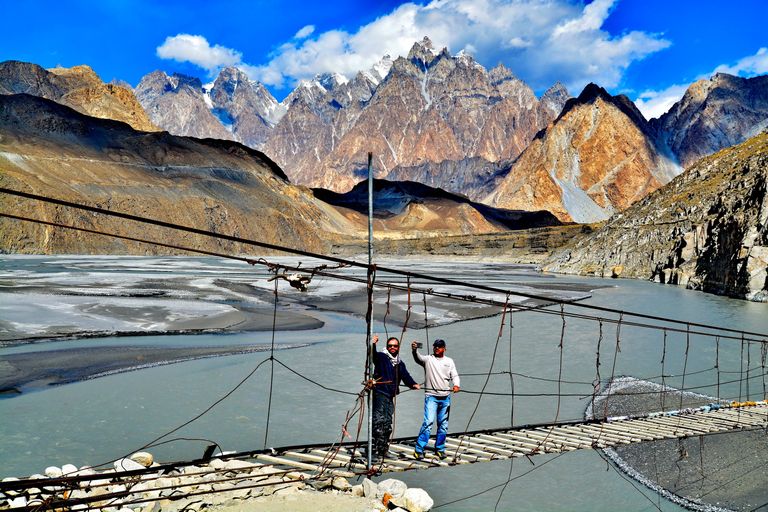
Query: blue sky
x=650 y=50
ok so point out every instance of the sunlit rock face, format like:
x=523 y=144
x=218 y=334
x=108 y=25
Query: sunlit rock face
x=221 y=186
x=714 y=114
x=78 y=87
x=430 y=107
x=177 y=103
x=598 y=157
x=706 y=230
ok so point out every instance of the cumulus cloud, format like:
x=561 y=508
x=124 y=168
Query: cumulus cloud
x=752 y=65
x=655 y=103
x=542 y=41
x=197 y=50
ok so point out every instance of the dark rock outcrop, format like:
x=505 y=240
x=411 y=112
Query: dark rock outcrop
x=706 y=230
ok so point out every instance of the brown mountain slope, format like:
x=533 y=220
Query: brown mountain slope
x=77 y=87
x=706 y=230
x=596 y=158
x=222 y=186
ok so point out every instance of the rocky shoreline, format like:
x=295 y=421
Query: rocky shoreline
x=138 y=483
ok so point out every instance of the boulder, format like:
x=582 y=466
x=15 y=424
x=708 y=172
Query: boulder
x=144 y=458
x=370 y=489
x=341 y=484
x=127 y=465
x=69 y=469
x=395 y=488
x=417 y=500
x=52 y=472
x=357 y=491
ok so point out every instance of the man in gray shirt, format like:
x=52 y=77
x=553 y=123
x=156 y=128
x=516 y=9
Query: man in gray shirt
x=441 y=377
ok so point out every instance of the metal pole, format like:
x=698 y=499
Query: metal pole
x=370 y=320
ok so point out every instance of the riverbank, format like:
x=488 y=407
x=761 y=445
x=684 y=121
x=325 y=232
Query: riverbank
x=138 y=482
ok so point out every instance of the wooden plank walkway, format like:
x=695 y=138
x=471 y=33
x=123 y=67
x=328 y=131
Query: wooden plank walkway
x=525 y=442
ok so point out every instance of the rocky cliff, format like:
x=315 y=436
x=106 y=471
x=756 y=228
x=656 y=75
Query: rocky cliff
x=52 y=150
x=431 y=107
x=598 y=157
x=77 y=87
x=706 y=230
x=714 y=114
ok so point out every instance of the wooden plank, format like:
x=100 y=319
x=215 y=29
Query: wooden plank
x=296 y=464
x=600 y=433
x=520 y=440
x=503 y=444
x=483 y=449
x=327 y=459
x=536 y=443
x=677 y=425
x=583 y=441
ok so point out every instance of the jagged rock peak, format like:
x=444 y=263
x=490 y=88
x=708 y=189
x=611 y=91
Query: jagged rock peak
x=331 y=81
x=500 y=73
x=557 y=90
x=424 y=51
x=81 y=70
x=593 y=91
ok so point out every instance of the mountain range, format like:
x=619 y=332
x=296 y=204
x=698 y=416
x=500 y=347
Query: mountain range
x=459 y=150
x=447 y=122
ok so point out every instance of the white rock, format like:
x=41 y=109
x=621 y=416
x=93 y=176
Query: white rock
x=52 y=472
x=394 y=488
x=217 y=464
x=127 y=465
x=341 y=483
x=370 y=489
x=144 y=458
x=417 y=500
x=69 y=469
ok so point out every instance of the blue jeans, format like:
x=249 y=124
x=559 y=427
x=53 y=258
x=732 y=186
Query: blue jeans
x=434 y=408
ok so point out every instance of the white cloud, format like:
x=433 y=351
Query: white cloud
x=655 y=103
x=752 y=65
x=542 y=41
x=195 y=49
x=304 y=32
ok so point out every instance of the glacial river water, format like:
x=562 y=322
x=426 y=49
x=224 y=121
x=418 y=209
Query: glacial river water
x=95 y=420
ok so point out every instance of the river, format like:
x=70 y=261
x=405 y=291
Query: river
x=56 y=303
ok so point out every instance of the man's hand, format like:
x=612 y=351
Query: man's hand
x=414 y=345
x=416 y=386
x=375 y=339
x=455 y=389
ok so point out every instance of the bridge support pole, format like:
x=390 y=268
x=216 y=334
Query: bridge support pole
x=369 y=370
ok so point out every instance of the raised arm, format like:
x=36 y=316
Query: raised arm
x=415 y=353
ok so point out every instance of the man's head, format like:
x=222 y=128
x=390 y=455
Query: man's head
x=393 y=346
x=438 y=348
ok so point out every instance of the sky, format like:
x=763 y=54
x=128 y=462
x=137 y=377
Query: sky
x=649 y=50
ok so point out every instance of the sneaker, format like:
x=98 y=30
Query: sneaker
x=441 y=455
x=418 y=455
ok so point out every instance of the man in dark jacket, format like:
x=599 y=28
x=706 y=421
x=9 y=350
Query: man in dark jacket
x=388 y=372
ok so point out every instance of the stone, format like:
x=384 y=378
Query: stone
x=52 y=472
x=69 y=469
x=239 y=465
x=126 y=465
x=357 y=490
x=322 y=484
x=395 y=488
x=144 y=458
x=370 y=489
x=341 y=484
x=417 y=500
x=616 y=271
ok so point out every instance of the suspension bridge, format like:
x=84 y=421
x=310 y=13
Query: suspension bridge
x=741 y=408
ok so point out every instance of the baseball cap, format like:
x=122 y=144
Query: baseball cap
x=439 y=343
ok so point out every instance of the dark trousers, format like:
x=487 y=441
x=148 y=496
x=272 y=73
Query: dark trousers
x=383 y=409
